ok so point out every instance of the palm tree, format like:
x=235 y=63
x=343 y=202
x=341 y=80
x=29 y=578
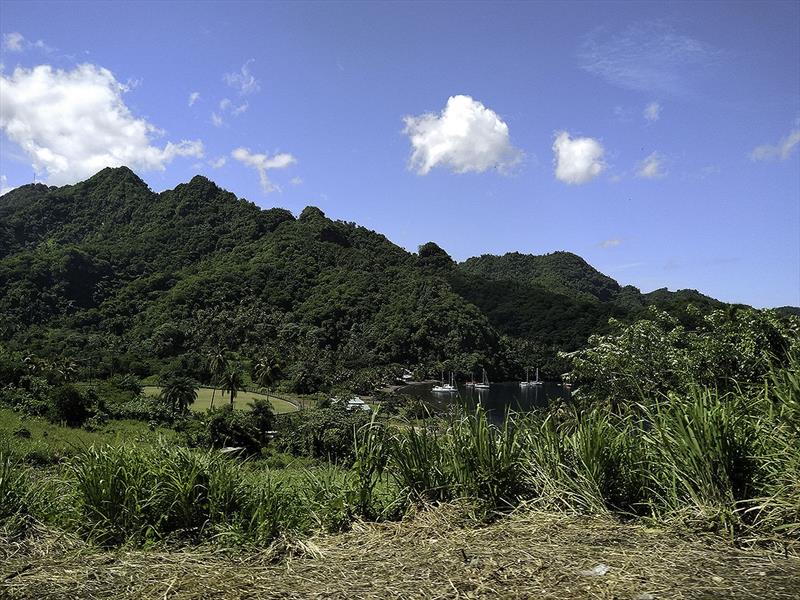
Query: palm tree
x=217 y=364
x=266 y=371
x=179 y=392
x=232 y=381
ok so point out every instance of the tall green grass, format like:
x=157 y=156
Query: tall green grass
x=728 y=462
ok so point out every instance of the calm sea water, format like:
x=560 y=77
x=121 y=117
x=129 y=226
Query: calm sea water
x=496 y=400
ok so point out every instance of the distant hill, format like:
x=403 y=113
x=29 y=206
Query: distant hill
x=560 y=272
x=119 y=278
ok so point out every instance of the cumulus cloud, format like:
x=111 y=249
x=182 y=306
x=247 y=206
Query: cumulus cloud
x=612 y=243
x=781 y=150
x=262 y=163
x=465 y=137
x=73 y=123
x=577 y=160
x=651 y=167
x=194 y=97
x=243 y=80
x=13 y=42
x=652 y=112
x=217 y=163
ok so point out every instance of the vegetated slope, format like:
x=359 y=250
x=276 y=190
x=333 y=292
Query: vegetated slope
x=120 y=278
x=559 y=272
x=560 y=299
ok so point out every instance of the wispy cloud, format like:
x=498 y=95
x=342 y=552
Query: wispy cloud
x=243 y=80
x=647 y=57
x=4 y=187
x=193 y=97
x=262 y=163
x=651 y=167
x=612 y=243
x=625 y=266
x=217 y=163
x=577 y=160
x=13 y=42
x=782 y=150
x=652 y=112
x=16 y=42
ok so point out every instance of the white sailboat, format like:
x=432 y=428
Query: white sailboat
x=445 y=388
x=484 y=385
x=528 y=381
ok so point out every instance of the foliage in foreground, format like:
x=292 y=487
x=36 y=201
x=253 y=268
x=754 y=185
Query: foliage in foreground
x=723 y=461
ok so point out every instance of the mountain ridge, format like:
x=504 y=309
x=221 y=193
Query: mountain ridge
x=121 y=277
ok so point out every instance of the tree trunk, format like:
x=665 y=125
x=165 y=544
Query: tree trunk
x=213 y=392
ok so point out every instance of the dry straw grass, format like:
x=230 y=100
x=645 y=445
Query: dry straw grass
x=434 y=554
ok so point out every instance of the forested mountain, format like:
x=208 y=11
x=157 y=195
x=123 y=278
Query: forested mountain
x=119 y=278
x=123 y=279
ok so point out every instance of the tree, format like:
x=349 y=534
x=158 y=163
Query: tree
x=217 y=364
x=266 y=372
x=232 y=381
x=178 y=393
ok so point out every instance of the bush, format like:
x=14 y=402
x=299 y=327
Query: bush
x=69 y=405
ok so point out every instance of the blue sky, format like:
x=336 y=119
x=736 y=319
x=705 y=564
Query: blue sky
x=660 y=141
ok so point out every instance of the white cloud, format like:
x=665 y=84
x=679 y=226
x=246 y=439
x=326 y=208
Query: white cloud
x=612 y=243
x=577 y=160
x=194 y=97
x=465 y=137
x=648 y=57
x=652 y=112
x=226 y=105
x=73 y=123
x=780 y=150
x=4 y=187
x=240 y=109
x=262 y=163
x=296 y=181
x=217 y=120
x=218 y=163
x=651 y=167
x=243 y=81
x=14 y=41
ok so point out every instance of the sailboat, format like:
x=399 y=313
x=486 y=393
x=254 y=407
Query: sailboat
x=445 y=388
x=484 y=385
x=471 y=382
x=528 y=381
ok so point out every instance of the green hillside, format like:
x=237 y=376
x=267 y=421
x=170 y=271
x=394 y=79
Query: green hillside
x=117 y=278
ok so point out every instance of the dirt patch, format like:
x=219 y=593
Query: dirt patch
x=530 y=555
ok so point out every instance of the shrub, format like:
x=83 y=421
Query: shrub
x=69 y=405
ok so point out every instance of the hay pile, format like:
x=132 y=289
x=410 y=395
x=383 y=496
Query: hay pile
x=432 y=555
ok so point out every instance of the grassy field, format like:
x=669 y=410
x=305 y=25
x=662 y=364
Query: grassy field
x=243 y=399
x=49 y=442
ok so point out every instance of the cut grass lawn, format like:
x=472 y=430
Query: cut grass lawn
x=436 y=554
x=243 y=400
